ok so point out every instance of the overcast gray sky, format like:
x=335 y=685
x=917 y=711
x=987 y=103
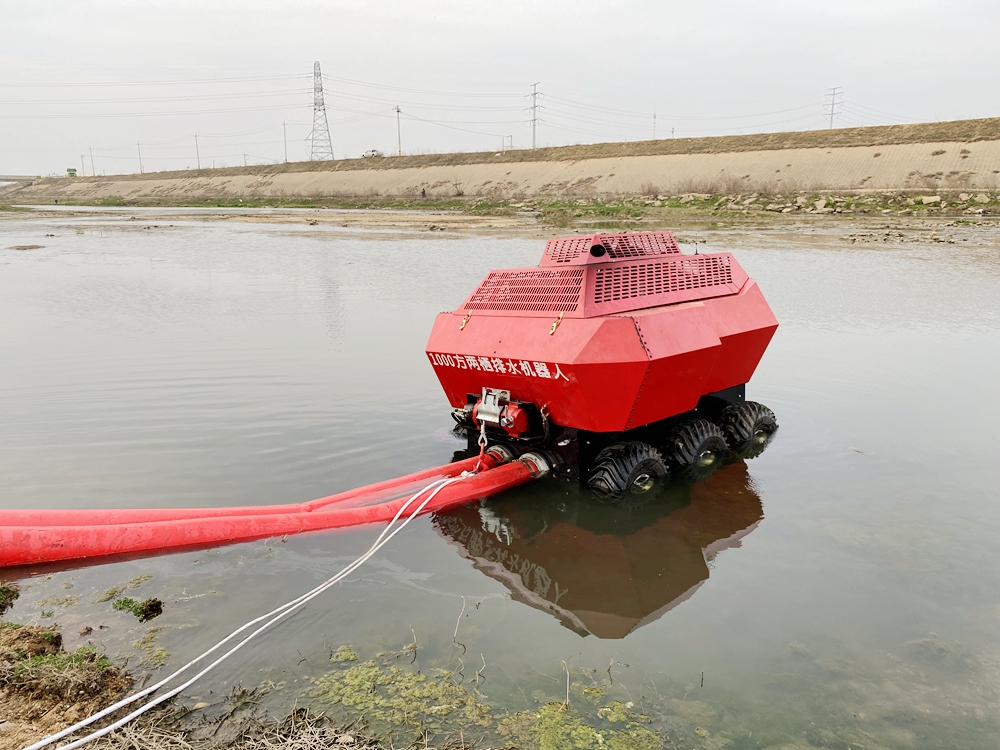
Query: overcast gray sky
x=106 y=75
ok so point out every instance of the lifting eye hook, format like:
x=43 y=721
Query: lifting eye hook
x=555 y=324
x=464 y=321
x=482 y=445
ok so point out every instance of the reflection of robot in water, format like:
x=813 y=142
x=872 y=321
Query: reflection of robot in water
x=604 y=569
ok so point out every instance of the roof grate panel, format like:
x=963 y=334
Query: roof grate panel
x=529 y=290
x=617 y=247
x=621 y=282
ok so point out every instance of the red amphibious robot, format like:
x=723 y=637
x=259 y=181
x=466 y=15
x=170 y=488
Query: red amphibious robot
x=620 y=354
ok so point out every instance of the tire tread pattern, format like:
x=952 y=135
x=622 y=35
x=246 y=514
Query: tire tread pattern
x=614 y=468
x=744 y=420
x=693 y=438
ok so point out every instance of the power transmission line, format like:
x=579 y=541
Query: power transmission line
x=832 y=96
x=145 y=99
x=399 y=137
x=420 y=91
x=176 y=82
x=534 y=111
x=322 y=147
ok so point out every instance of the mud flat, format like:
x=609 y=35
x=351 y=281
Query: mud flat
x=961 y=155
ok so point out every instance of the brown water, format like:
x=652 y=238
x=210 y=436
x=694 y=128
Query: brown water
x=840 y=588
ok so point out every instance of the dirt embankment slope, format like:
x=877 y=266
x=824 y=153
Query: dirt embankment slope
x=930 y=156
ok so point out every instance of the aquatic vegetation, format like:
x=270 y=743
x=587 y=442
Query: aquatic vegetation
x=154 y=656
x=556 y=726
x=390 y=696
x=144 y=610
x=112 y=593
x=343 y=654
x=9 y=592
x=148 y=639
x=59 y=601
x=124 y=604
x=393 y=699
x=117 y=590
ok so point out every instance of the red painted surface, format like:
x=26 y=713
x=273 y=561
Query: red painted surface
x=360 y=496
x=28 y=537
x=607 y=342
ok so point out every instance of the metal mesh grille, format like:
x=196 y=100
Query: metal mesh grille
x=566 y=250
x=640 y=244
x=632 y=245
x=662 y=277
x=529 y=291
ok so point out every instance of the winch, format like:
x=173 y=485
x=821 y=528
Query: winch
x=618 y=352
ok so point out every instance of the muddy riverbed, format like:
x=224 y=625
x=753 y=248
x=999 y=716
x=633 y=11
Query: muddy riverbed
x=840 y=590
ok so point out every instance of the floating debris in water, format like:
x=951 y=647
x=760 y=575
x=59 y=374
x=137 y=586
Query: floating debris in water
x=145 y=610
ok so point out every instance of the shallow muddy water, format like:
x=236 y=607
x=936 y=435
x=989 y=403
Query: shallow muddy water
x=839 y=590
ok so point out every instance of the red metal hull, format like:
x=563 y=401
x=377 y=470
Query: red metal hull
x=609 y=373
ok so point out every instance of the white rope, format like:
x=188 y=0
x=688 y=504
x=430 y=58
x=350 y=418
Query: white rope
x=275 y=615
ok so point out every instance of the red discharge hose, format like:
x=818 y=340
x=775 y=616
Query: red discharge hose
x=390 y=488
x=36 y=536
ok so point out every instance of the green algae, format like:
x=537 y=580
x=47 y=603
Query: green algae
x=930 y=693
x=155 y=658
x=112 y=593
x=343 y=654
x=59 y=601
x=389 y=695
x=418 y=704
x=125 y=604
x=118 y=589
x=556 y=726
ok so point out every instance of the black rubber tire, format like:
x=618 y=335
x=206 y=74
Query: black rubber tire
x=689 y=443
x=742 y=422
x=626 y=470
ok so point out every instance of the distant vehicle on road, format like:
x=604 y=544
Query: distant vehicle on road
x=373 y=153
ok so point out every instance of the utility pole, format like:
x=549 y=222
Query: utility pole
x=83 y=171
x=197 y=152
x=534 y=111
x=284 y=128
x=93 y=172
x=832 y=96
x=654 y=126
x=139 y=149
x=399 y=137
x=322 y=147
x=244 y=160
